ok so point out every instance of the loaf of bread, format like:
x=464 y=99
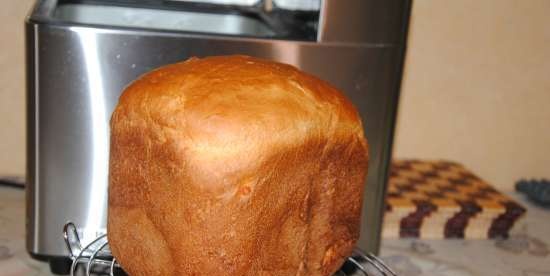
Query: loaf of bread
x=234 y=165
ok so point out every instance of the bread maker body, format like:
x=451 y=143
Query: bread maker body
x=81 y=54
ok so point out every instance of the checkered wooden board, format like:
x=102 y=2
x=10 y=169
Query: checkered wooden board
x=442 y=199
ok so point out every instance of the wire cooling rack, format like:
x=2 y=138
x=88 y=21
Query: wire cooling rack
x=95 y=258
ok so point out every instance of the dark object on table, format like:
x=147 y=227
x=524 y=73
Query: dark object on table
x=537 y=191
x=12 y=182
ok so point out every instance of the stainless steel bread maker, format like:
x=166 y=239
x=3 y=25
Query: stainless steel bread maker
x=82 y=53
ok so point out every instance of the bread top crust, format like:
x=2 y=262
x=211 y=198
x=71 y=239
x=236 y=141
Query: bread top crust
x=226 y=113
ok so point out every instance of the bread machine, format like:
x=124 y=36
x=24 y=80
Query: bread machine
x=82 y=53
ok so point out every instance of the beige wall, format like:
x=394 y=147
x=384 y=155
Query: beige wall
x=477 y=87
x=12 y=87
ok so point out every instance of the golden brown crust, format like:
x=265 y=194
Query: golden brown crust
x=234 y=166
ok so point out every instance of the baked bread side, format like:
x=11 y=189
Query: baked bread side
x=234 y=166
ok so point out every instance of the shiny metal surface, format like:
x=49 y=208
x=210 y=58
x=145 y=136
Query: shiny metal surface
x=231 y=24
x=76 y=72
x=224 y=2
x=359 y=21
x=307 y=5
